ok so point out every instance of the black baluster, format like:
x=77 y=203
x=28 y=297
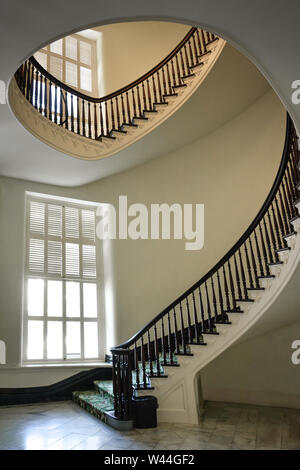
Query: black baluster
x=182 y=329
x=149 y=353
x=254 y=269
x=237 y=276
x=106 y=119
x=50 y=116
x=133 y=103
x=156 y=350
x=228 y=307
x=210 y=322
x=123 y=110
x=143 y=363
x=154 y=89
x=101 y=120
x=280 y=221
x=204 y=48
x=170 y=349
x=89 y=120
x=177 y=347
x=163 y=343
x=46 y=97
x=178 y=70
x=137 y=369
x=72 y=114
x=128 y=109
x=250 y=279
x=214 y=298
x=244 y=284
x=159 y=87
x=276 y=226
x=197 y=335
x=220 y=296
x=232 y=288
x=202 y=310
x=149 y=107
x=190 y=336
x=268 y=241
x=55 y=104
x=95 y=121
x=284 y=210
x=139 y=101
x=259 y=258
x=83 y=118
x=67 y=110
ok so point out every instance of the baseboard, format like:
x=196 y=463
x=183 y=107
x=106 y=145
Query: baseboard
x=61 y=390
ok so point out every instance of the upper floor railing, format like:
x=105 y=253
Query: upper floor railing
x=98 y=118
x=208 y=301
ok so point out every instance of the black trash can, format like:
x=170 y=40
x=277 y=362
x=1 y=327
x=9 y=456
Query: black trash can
x=144 y=411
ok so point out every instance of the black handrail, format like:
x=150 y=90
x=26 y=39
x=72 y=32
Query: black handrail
x=221 y=291
x=232 y=250
x=100 y=118
x=139 y=80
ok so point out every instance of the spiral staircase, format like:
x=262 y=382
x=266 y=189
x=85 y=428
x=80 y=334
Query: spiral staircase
x=165 y=357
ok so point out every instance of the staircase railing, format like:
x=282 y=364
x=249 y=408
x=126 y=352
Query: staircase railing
x=99 y=118
x=208 y=301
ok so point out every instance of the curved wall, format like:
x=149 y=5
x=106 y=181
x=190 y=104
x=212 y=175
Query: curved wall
x=230 y=171
x=125 y=51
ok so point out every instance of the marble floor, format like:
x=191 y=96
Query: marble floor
x=64 y=426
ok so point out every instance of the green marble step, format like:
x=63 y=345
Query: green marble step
x=93 y=403
x=105 y=389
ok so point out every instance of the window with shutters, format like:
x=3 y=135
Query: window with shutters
x=62 y=321
x=72 y=60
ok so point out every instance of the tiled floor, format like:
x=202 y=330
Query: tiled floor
x=63 y=425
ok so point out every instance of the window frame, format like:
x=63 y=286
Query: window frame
x=93 y=67
x=98 y=280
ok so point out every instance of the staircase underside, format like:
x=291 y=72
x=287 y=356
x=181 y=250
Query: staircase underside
x=102 y=146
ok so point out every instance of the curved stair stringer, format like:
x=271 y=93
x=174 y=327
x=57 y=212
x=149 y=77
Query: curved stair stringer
x=177 y=393
x=70 y=143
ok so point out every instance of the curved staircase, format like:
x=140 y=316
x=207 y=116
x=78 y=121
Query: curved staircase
x=164 y=358
x=93 y=128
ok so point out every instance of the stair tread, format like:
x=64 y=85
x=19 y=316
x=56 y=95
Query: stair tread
x=94 y=403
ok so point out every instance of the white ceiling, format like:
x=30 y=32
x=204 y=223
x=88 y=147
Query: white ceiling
x=266 y=31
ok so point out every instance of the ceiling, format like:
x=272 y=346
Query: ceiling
x=267 y=32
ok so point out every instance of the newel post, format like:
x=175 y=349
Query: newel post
x=122 y=382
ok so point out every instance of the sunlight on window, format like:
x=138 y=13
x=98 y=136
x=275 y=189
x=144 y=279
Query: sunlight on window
x=73 y=339
x=89 y=300
x=54 y=299
x=54 y=340
x=73 y=299
x=90 y=340
x=35 y=294
x=35 y=349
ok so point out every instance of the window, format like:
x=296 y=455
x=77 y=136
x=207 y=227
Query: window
x=61 y=282
x=72 y=60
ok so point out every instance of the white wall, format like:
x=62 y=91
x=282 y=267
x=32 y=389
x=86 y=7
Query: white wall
x=217 y=170
x=257 y=371
x=128 y=50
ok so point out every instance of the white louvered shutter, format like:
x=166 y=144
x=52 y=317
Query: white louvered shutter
x=61 y=240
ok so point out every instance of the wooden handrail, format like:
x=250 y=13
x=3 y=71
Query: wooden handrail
x=120 y=90
x=98 y=118
x=207 y=302
x=232 y=250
